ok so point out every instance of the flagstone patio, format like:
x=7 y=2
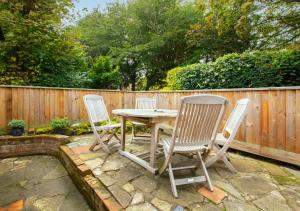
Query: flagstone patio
x=258 y=185
x=37 y=183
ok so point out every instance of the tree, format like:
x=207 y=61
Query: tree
x=276 y=24
x=145 y=37
x=223 y=27
x=37 y=50
x=103 y=75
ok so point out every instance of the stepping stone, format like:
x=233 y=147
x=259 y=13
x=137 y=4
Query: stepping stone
x=239 y=205
x=160 y=204
x=137 y=198
x=120 y=195
x=142 y=207
x=128 y=187
x=273 y=201
x=145 y=184
x=229 y=189
x=253 y=184
x=97 y=162
x=106 y=180
x=126 y=174
x=216 y=196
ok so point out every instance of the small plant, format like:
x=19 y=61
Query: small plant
x=17 y=127
x=60 y=126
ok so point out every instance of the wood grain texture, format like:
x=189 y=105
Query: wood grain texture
x=273 y=120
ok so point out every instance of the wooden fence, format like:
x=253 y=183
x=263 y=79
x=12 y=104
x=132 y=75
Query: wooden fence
x=271 y=128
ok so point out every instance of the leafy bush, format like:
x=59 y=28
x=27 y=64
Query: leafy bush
x=16 y=123
x=249 y=69
x=60 y=123
x=43 y=130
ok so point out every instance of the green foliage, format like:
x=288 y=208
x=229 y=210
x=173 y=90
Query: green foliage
x=223 y=27
x=16 y=123
x=81 y=128
x=37 y=50
x=43 y=130
x=59 y=123
x=145 y=38
x=102 y=74
x=249 y=69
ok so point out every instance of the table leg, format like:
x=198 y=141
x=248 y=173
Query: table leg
x=153 y=145
x=123 y=133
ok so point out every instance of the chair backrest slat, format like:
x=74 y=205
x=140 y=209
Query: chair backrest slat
x=96 y=108
x=236 y=117
x=145 y=103
x=198 y=119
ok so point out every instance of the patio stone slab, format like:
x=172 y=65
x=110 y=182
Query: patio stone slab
x=273 y=169
x=245 y=165
x=92 y=155
x=145 y=207
x=138 y=198
x=49 y=203
x=229 y=189
x=107 y=180
x=161 y=205
x=57 y=172
x=239 y=206
x=120 y=195
x=94 y=163
x=216 y=196
x=112 y=165
x=127 y=174
x=186 y=197
x=206 y=207
x=128 y=187
x=292 y=197
x=273 y=201
x=253 y=184
x=145 y=184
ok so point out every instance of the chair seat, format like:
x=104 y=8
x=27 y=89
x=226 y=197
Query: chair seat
x=220 y=139
x=183 y=148
x=108 y=126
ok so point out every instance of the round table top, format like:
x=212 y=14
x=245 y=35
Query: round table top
x=146 y=113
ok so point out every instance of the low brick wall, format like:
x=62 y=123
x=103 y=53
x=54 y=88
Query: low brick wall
x=31 y=145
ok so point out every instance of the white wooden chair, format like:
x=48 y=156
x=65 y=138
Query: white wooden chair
x=195 y=130
x=142 y=103
x=231 y=127
x=97 y=113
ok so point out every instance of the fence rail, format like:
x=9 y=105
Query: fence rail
x=271 y=128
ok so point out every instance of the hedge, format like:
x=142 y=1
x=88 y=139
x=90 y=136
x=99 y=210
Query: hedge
x=249 y=69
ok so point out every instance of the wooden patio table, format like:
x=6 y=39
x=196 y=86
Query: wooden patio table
x=151 y=117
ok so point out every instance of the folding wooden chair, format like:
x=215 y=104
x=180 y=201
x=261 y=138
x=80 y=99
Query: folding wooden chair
x=231 y=127
x=97 y=113
x=195 y=130
x=142 y=103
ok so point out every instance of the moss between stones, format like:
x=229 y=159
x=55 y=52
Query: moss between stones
x=287 y=180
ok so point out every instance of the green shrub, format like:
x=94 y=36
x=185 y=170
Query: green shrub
x=59 y=123
x=44 y=130
x=16 y=123
x=249 y=69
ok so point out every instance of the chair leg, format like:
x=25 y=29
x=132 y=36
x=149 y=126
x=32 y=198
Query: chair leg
x=132 y=134
x=210 y=187
x=228 y=164
x=172 y=181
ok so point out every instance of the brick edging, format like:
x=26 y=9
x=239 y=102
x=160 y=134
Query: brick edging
x=11 y=146
x=98 y=197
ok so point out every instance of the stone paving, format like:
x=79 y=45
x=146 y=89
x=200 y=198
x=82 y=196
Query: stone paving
x=41 y=182
x=258 y=185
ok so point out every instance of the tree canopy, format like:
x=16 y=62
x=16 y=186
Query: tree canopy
x=133 y=44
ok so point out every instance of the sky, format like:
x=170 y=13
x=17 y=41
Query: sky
x=91 y=4
x=82 y=7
